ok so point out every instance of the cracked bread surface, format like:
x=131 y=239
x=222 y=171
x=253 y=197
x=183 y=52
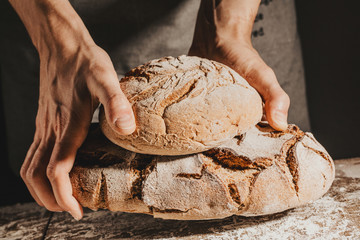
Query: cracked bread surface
x=260 y=172
x=185 y=105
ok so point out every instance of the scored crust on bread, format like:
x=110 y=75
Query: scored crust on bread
x=185 y=105
x=260 y=172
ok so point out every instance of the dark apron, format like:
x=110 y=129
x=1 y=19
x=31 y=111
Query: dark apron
x=133 y=32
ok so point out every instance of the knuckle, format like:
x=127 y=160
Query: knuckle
x=280 y=99
x=266 y=71
x=101 y=69
x=23 y=171
x=51 y=173
x=286 y=98
x=33 y=174
x=97 y=68
x=116 y=98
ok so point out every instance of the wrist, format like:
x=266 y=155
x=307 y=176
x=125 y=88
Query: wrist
x=227 y=20
x=53 y=25
x=234 y=19
x=62 y=36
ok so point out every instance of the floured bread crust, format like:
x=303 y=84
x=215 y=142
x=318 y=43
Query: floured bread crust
x=185 y=105
x=260 y=172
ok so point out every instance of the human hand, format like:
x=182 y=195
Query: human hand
x=75 y=75
x=223 y=33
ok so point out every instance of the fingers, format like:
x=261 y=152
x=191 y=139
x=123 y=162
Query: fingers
x=247 y=62
x=118 y=110
x=60 y=165
x=34 y=174
x=24 y=168
x=46 y=173
x=63 y=119
x=277 y=102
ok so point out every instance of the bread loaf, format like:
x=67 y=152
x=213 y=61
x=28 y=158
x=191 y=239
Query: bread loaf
x=262 y=171
x=185 y=105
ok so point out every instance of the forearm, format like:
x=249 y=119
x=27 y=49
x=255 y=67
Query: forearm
x=227 y=19
x=223 y=33
x=236 y=17
x=52 y=24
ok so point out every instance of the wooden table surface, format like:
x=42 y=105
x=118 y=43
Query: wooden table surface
x=334 y=216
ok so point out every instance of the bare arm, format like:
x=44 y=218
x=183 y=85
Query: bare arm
x=75 y=75
x=223 y=33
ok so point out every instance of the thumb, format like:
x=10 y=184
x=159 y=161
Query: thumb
x=276 y=108
x=277 y=102
x=118 y=111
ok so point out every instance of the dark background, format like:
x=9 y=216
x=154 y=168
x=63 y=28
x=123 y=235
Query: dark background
x=329 y=32
x=330 y=39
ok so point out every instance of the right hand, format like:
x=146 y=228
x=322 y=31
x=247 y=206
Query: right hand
x=75 y=76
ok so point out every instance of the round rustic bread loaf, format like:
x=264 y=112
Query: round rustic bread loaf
x=185 y=105
x=260 y=172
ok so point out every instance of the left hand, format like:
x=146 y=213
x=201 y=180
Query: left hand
x=223 y=34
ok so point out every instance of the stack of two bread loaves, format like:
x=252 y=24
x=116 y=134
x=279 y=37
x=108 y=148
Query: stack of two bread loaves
x=199 y=150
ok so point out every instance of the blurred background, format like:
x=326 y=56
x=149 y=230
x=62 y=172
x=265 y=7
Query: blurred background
x=330 y=37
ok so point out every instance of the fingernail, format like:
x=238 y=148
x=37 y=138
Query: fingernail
x=125 y=122
x=280 y=120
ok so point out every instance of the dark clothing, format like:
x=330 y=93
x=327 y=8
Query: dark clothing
x=133 y=32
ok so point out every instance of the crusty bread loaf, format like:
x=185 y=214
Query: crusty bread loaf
x=260 y=172
x=185 y=105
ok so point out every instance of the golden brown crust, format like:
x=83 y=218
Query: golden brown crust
x=185 y=105
x=262 y=172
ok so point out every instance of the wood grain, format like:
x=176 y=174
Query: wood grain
x=335 y=216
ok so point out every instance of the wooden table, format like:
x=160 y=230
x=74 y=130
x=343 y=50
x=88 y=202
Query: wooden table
x=335 y=216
